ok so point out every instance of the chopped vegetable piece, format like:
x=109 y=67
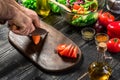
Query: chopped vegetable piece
x=66 y=50
x=60 y=47
x=69 y=51
x=75 y=52
x=36 y=39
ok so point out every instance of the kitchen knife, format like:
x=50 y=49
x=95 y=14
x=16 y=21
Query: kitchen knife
x=38 y=31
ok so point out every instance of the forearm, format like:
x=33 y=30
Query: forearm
x=6 y=10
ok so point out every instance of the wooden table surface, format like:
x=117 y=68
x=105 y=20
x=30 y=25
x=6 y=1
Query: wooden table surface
x=14 y=66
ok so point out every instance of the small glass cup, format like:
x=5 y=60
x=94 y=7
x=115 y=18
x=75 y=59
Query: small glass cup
x=88 y=33
x=101 y=37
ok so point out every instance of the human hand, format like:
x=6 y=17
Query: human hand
x=23 y=23
x=34 y=18
x=24 y=19
x=33 y=15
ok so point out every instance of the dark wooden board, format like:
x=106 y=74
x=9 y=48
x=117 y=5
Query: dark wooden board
x=44 y=55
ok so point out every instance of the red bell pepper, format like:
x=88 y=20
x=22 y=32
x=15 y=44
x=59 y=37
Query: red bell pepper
x=105 y=18
x=113 y=29
x=113 y=45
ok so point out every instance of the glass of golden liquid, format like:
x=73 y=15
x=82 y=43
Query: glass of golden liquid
x=100 y=69
x=43 y=8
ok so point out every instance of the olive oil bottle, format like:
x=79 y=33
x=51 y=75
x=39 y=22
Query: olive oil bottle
x=43 y=8
x=100 y=69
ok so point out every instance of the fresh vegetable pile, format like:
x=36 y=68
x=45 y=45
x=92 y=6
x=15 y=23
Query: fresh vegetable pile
x=54 y=8
x=104 y=19
x=107 y=23
x=84 y=12
x=31 y=4
x=77 y=7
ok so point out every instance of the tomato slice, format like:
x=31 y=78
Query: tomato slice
x=76 y=6
x=66 y=51
x=71 y=51
x=75 y=52
x=60 y=47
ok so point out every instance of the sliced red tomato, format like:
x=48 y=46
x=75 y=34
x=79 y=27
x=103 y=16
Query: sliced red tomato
x=71 y=51
x=60 y=47
x=75 y=52
x=76 y=6
x=65 y=51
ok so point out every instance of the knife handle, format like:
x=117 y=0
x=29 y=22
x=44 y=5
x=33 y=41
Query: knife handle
x=13 y=27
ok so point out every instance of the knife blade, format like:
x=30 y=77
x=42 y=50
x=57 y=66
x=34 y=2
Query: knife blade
x=43 y=33
x=38 y=31
x=39 y=47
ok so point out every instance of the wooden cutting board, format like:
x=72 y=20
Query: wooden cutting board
x=44 y=54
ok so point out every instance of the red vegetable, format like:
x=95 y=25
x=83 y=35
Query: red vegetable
x=113 y=45
x=98 y=27
x=105 y=18
x=113 y=29
x=70 y=50
x=74 y=52
x=66 y=50
x=36 y=39
x=61 y=47
x=76 y=6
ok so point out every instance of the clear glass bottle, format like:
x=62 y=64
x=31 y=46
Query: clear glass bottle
x=43 y=8
x=100 y=69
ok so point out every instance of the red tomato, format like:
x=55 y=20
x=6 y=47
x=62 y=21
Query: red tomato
x=105 y=18
x=113 y=29
x=75 y=52
x=60 y=47
x=76 y=6
x=71 y=51
x=65 y=51
x=113 y=45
